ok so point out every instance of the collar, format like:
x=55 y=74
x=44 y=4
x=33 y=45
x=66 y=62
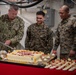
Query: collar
x=65 y=20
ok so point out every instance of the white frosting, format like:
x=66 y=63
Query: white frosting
x=24 y=56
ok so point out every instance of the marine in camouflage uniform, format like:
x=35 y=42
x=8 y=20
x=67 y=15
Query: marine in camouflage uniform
x=39 y=38
x=65 y=36
x=11 y=30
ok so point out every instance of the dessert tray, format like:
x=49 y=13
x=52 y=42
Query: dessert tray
x=60 y=64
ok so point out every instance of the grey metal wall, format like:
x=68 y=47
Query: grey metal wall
x=49 y=17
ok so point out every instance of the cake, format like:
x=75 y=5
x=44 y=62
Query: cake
x=24 y=56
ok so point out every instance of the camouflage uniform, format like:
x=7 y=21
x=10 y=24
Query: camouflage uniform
x=74 y=46
x=65 y=36
x=39 y=37
x=11 y=30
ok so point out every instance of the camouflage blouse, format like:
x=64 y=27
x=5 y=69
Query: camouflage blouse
x=39 y=38
x=11 y=30
x=66 y=35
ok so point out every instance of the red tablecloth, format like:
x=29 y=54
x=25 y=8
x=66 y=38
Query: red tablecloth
x=12 y=69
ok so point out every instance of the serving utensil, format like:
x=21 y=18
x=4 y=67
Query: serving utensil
x=7 y=45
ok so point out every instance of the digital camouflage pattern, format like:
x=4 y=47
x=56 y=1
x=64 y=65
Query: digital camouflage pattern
x=66 y=35
x=74 y=46
x=11 y=30
x=39 y=38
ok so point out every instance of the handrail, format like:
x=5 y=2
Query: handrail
x=29 y=4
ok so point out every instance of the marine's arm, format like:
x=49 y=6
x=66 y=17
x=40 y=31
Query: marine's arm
x=50 y=40
x=57 y=42
x=19 y=32
x=27 y=39
x=73 y=50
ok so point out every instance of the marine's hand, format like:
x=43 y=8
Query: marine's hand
x=7 y=42
x=72 y=53
x=54 y=52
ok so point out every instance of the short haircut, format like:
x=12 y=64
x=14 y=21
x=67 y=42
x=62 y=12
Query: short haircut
x=40 y=13
x=14 y=7
x=66 y=8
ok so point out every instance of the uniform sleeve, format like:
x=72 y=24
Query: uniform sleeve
x=74 y=45
x=57 y=40
x=50 y=41
x=28 y=36
x=19 y=33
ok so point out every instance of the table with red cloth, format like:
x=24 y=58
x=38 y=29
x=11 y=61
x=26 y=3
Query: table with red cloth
x=14 y=69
